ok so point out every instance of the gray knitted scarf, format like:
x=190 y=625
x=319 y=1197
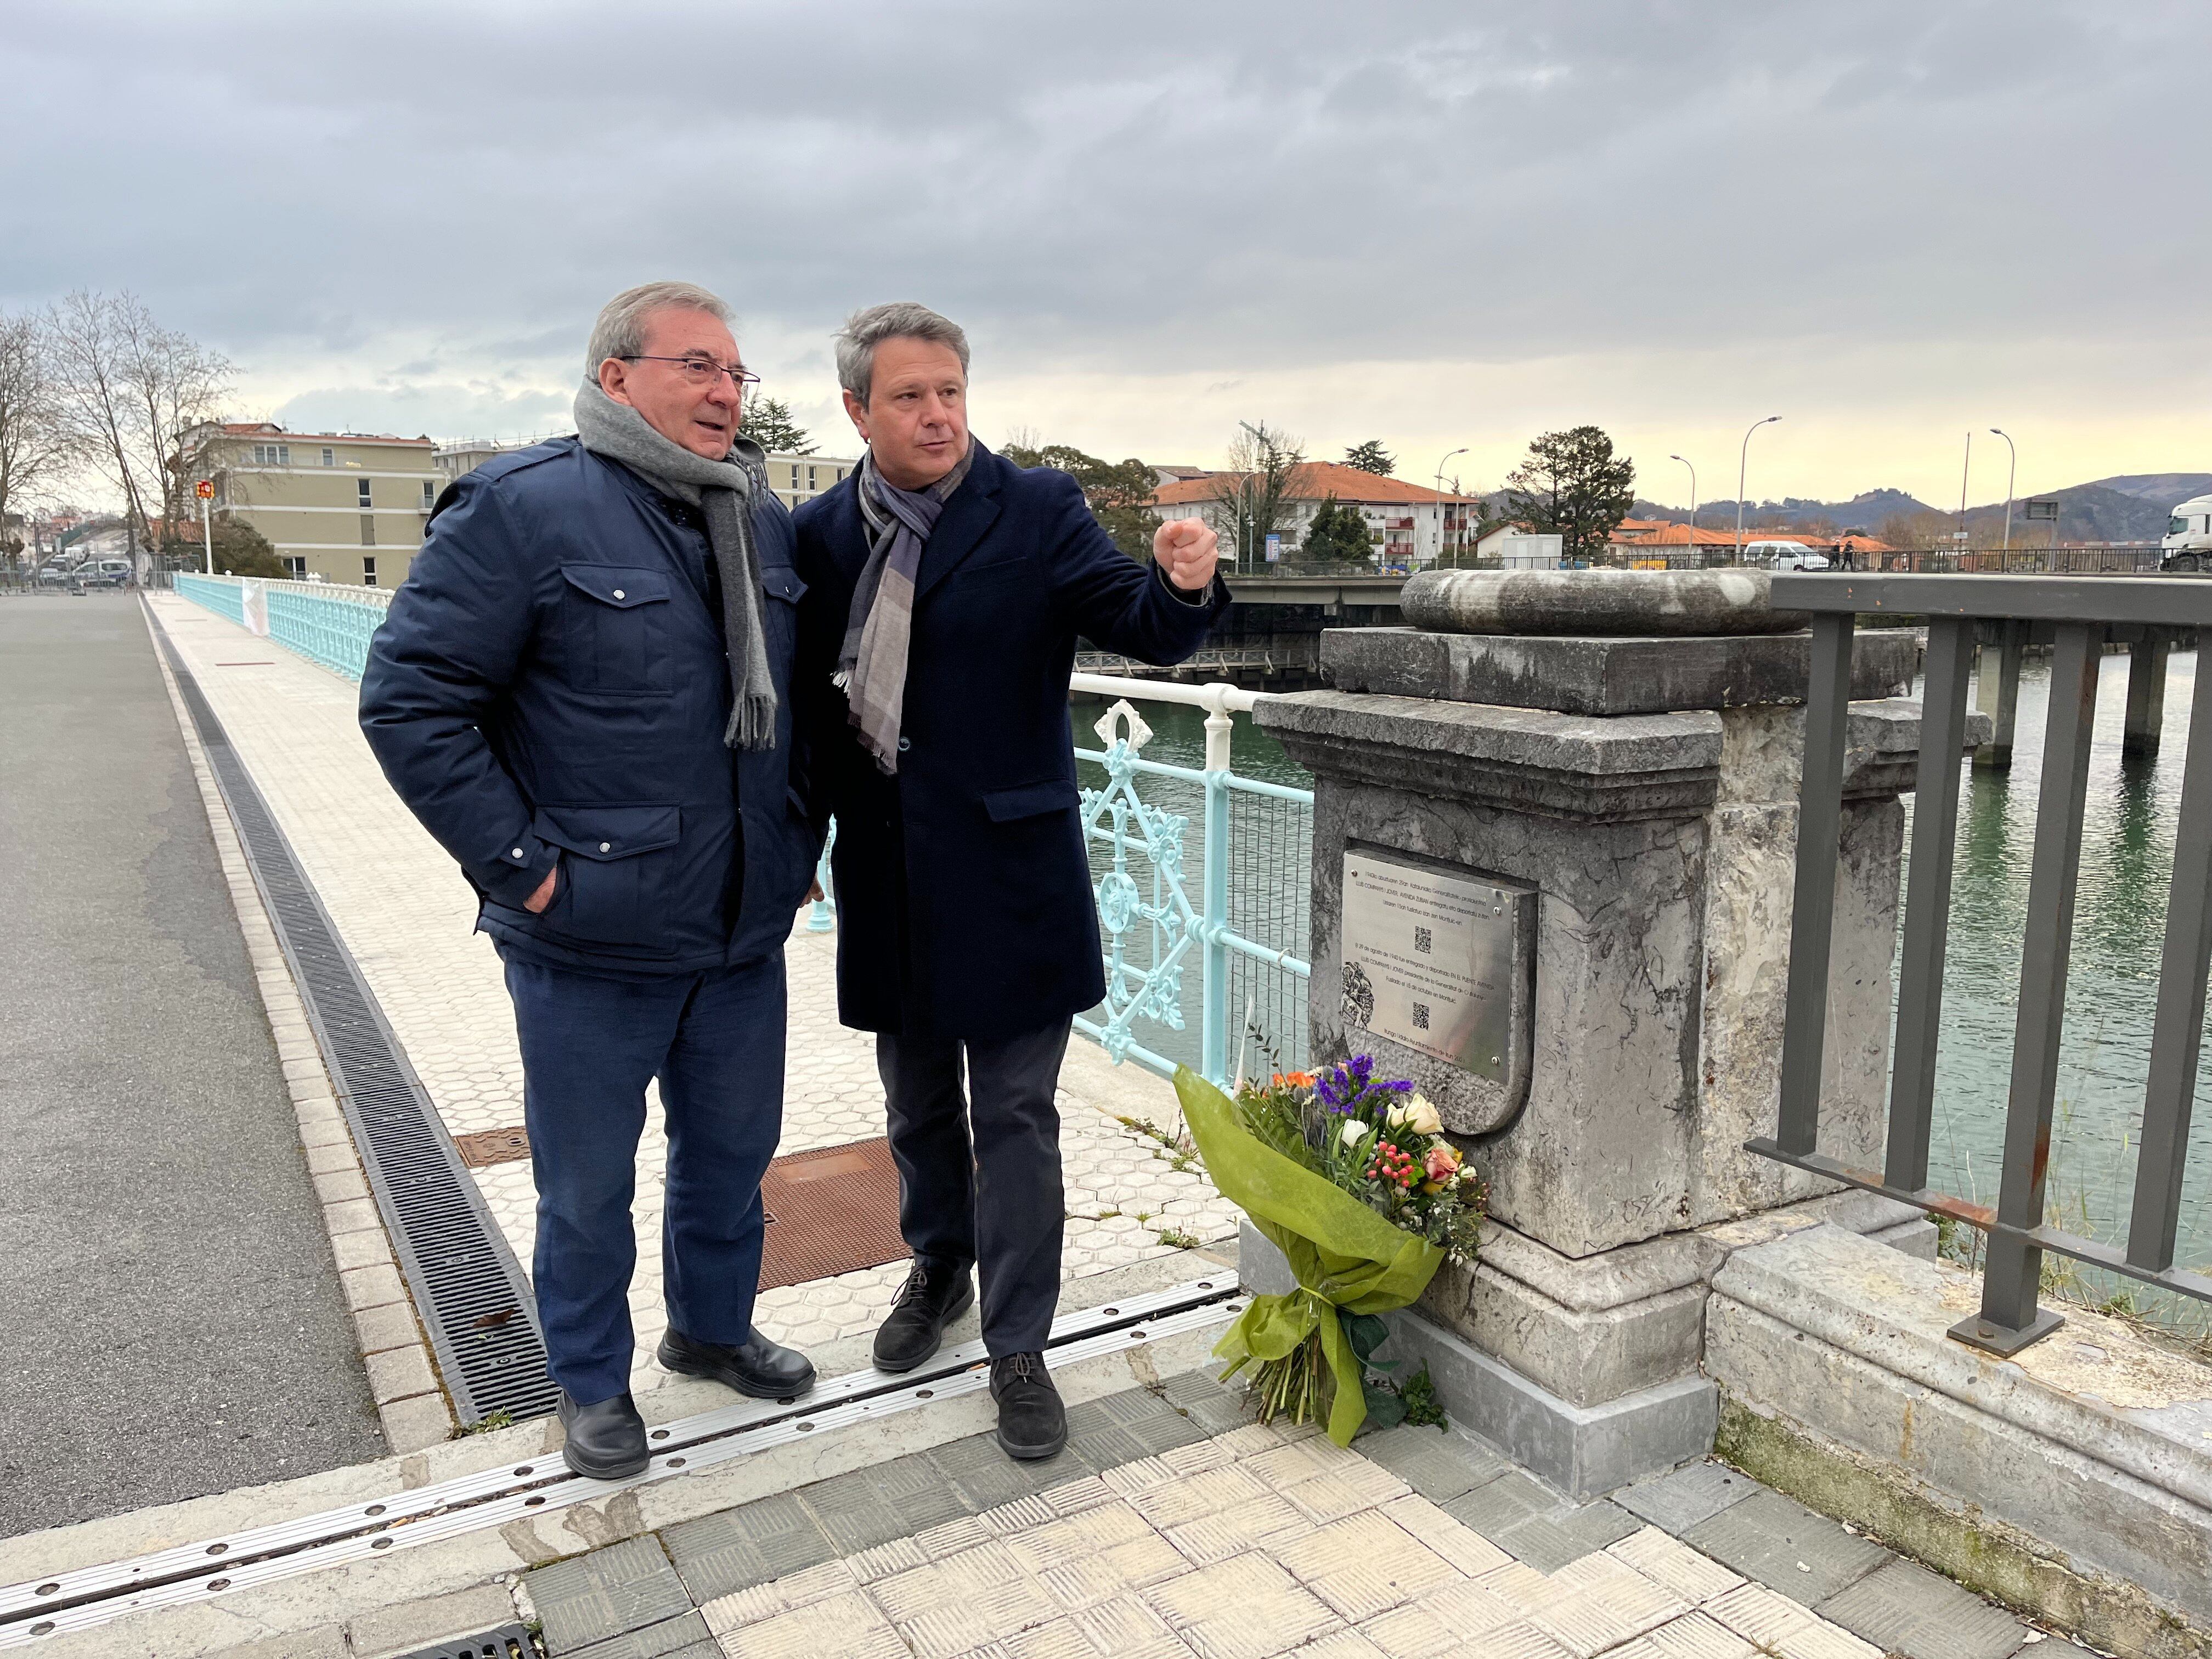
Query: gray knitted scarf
x=723 y=490
x=871 y=663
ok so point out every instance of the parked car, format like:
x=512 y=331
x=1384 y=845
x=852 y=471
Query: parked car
x=2188 y=542
x=107 y=573
x=1785 y=556
x=53 y=575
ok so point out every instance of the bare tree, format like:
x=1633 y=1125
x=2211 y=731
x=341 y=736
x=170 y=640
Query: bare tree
x=1252 y=498
x=130 y=389
x=35 y=444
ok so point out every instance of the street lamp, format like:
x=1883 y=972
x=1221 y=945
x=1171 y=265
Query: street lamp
x=1694 y=560
x=1441 y=508
x=2012 y=472
x=1742 y=461
x=1250 y=517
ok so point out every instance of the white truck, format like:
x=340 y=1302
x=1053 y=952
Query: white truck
x=2188 y=542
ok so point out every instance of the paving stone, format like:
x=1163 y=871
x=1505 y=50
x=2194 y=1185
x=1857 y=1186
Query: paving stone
x=588 y=1598
x=1695 y=1635
x=985 y=1475
x=1669 y=1562
x=1606 y=1603
x=719 y=1554
x=872 y=1506
x=1365 y=1565
x=1437 y=1465
x=1247 y=1609
x=1787 y=1548
x=844 y=1627
x=682 y=1637
x=1680 y=1499
x=1905 y=1608
x=1497 y=1505
x=1213 y=1408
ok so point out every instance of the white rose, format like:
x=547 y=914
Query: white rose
x=1352 y=1133
x=1398 y=1113
x=1423 y=1118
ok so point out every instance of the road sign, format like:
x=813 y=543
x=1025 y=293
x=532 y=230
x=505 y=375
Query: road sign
x=2043 y=509
x=204 y=489
x=1274 y=549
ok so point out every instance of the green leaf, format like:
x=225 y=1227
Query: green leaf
x=1366 y=1332
x=1384 y=1409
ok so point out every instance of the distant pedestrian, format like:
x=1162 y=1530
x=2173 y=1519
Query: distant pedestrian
x=584 y=692
x=946 y=590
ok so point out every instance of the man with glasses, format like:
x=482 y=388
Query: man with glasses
x=584 y=692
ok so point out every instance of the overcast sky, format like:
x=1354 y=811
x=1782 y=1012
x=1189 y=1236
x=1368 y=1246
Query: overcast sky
x=1440 y=224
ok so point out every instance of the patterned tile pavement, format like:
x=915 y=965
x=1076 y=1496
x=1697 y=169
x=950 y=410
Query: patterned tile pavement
x=1174 y=1528
x=406 y=914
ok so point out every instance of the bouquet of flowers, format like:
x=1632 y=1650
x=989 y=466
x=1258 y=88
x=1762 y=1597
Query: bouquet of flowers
x=1350 y=1175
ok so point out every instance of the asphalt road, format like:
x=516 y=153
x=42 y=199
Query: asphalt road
x=170 y=1318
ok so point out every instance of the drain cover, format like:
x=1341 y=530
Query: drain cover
x=832 y=1210
x=466 y=1282
x=489 y=1146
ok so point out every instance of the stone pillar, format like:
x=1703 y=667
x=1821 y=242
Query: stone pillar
x=1997 y=692
x=2146 y=693
x=1641 y=786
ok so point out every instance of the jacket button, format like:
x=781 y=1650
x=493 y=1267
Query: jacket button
x=606 y=847
x=620 y=594
x=516 y=854
x=905 y=743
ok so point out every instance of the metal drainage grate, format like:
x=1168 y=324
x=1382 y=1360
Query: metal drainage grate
x=466 y=1282
x=508 y=1642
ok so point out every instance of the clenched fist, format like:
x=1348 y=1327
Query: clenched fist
x=1186 y=550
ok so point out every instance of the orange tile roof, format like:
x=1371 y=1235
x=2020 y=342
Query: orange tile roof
x=1657 y=532
x=1313 y=481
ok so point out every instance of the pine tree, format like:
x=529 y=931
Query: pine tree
x=1372 y=456
x=1339 y=531
x=768 y=422
x=1572 y=486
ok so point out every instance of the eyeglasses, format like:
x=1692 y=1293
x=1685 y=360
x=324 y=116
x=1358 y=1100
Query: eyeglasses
x=701 y=371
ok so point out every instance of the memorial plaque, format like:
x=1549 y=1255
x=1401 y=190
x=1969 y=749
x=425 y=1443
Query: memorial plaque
x=1432 y=959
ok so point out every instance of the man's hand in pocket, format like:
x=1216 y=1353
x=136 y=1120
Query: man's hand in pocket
x=538 y=901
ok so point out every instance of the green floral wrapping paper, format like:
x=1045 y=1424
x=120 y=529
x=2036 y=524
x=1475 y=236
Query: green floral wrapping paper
x=1344 y=1255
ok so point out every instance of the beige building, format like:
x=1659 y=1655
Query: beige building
x=794 y=478
x=336 y=506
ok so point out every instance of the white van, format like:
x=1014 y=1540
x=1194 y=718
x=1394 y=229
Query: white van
x=1785 y=556
x=2188 y=543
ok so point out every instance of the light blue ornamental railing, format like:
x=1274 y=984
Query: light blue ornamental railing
x=323 y=622
x=1240 y=930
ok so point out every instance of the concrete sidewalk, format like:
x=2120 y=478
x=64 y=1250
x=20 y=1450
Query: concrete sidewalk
x=174 y=1324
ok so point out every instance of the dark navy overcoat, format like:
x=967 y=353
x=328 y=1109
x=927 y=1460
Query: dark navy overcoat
x=551 y=685
x=964 y=905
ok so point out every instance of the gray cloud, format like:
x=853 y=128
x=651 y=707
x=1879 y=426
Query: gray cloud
x=424 y=205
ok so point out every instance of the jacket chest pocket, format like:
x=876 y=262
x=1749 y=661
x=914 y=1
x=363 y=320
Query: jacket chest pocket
x=615 y=629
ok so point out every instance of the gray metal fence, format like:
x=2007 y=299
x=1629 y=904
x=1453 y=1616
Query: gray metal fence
x=2081 y=610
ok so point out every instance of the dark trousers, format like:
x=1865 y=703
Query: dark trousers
x=979 y=1173
x=589 y=1047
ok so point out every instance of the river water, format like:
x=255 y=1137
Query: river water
x=2127 y=861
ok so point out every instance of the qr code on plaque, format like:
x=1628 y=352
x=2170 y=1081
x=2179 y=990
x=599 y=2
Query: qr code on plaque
x=1422 y=940
x=1420 y=1016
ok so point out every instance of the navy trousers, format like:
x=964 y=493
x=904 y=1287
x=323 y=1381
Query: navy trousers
x=979 y=1168
x=589 y=1047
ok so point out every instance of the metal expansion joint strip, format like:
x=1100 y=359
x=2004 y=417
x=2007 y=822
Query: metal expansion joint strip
x=92 y=1596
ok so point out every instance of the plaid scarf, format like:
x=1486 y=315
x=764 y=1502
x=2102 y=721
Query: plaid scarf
x=871 y=663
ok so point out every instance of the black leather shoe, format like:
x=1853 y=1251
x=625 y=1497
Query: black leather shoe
x=762 y=1368
x=605 y=1439
x=932 y=1297
x=1032 y=1423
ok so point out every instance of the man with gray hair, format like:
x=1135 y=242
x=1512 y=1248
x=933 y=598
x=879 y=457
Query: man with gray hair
x=583 y=691
x=947 y=590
